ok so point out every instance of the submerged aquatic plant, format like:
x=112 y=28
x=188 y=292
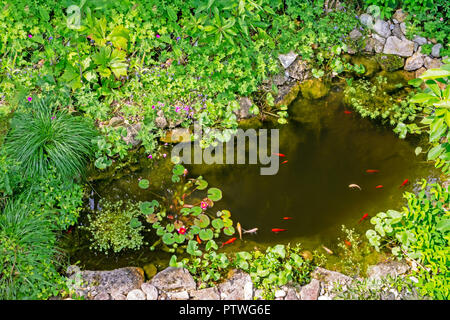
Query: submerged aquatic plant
x=43 y=135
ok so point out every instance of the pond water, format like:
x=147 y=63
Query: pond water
x=327 y=150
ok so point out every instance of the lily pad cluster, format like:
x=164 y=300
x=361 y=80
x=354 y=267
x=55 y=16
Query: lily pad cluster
x=184 y=220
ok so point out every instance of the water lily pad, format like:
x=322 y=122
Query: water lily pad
x=206 y=234
x=135 y=223
x=202 y=221
x=192 y=248
x=146 y=207
x=225 y=214
x=217 y=223
x=160 y=231
x=195 y=211
x=229 y=231
x=194 y=230
x=144 y=184
x=214 y=194
x=152 y=218
x=170 y=227
x=179 y=238
x=201 y=183
x=168 y=238
x=211 y=245
x=227 y=222
x=178 y=170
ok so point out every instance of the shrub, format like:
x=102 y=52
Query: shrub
x=116 y=226
x=28 y=269
x=44 y=136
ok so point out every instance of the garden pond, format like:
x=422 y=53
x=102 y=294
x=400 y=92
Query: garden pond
x=326 y=149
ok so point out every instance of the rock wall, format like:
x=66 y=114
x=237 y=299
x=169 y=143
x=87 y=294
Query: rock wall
x=178 y=284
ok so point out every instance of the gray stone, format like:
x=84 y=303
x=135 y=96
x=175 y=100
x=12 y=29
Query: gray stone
x=132 y=132
x=436 y=50
x=310 y=291
x=173 y=279
x=160 y=120
x=205 y=294
x=403 y=27
x=115 y=121
x=382 y=28
x=136 y=294
x=244 y=108
x=72 y=269
x=414 y=62
x=431 y=63
x=420 y=40
x=258 y=295
x=355 y=34
x=394 y=45
x=397 y=31
x=324 y=298
x=102 y=296
x=118 y=281
x=238 y=287
x=400 y=15
x=366 y=20
x=118 y=296
x=280 y=79
x=150 y=291
x=181 y=295
x=329 y=277
x=379 y=38
x=395 y=21
x=291 y=294
x=298 y=70
x=280 y=293
x=287 y=59
x=382 y=270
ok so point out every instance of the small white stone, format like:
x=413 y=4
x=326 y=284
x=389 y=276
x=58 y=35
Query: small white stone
x=280 y=294
x=136 y=294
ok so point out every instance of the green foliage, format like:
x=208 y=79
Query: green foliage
x=436 y=101
x=370 y=99
x=269 y=270
x=419 y=232
x=43 y=136
x=28 y=269
x=116 y=226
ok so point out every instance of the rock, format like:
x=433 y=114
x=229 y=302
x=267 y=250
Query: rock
x=324 y=298
x=397 y=31
x=173 y=279
x=72 y=269
x=403 y=27
x=389 y=62
x=400 y=15
x=244 y=108
x=329 y=277
x=395 y=21
x=314 y=89
x=287 y=94
x=118 y=296
x=394 y=45
x=382 y=28
x=381 y=270
x=176 y=135
x=280 y=79
x=379 y=38
x=287 y=59
x=205 y=294
x=160 y=120
x=431 y=63
x=181 y=295
x=280 y=293
x=291 y=294
x=370 y=64
x=355 y=34
x=310 y=291
x=414 y=62
x=150 y=291
x=420 y=72
x=102 y=296
x=115 y=121
x=118 y=281
x=298 y=70
x=238 y=287
x=420 y=40
x=132 y=132
x=366 y=20
x=258 y=295
x=136 y=294
x=150 y=270
x=436 y=49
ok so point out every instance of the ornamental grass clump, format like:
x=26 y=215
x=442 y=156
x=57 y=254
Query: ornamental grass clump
x=43 y=135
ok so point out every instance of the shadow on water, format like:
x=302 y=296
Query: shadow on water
x=326 y=149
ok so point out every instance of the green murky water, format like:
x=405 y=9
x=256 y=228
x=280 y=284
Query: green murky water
x=326 y=150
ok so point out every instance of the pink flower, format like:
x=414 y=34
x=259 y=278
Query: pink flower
x=203 y=205
x=29 y=99
x=182 y=230
x=177 y=109
x=185 y=172
x=164 y=155
x=150 y=156
x=441 y=19
x=53 y=118
x=153 y=107
x=158 y=36
x=30 y=36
